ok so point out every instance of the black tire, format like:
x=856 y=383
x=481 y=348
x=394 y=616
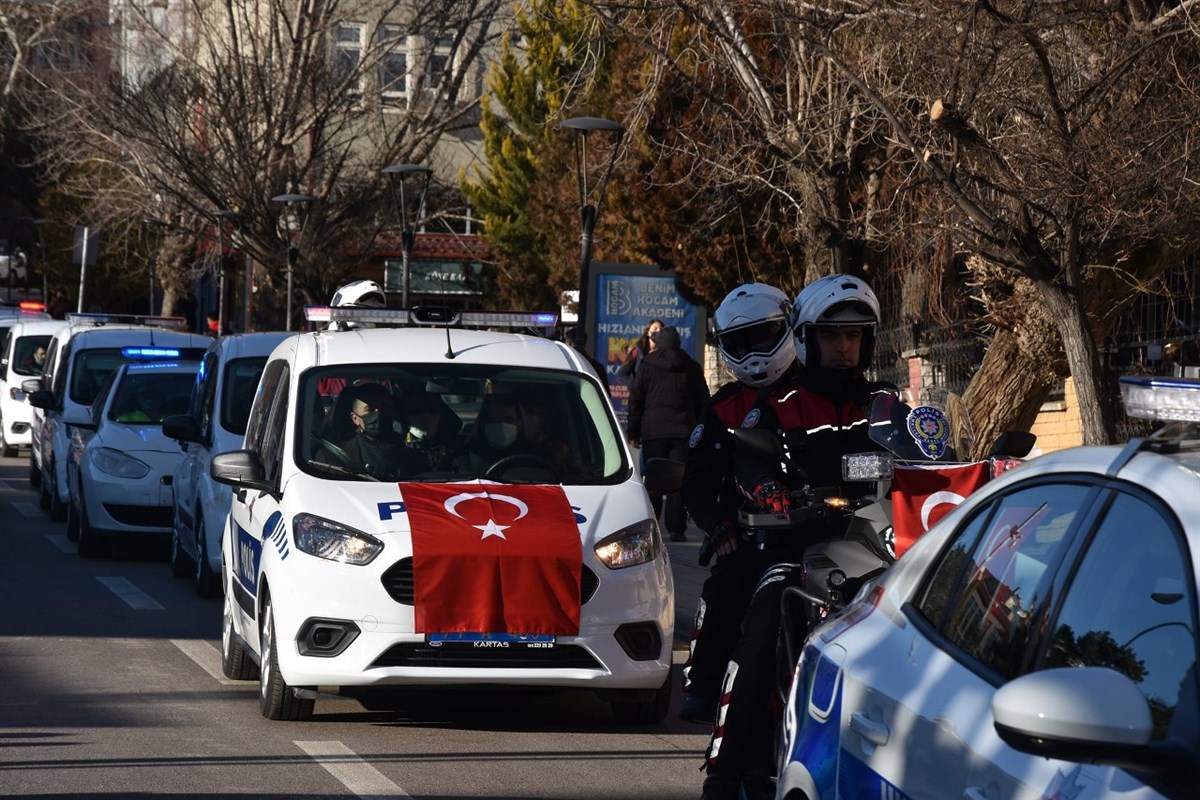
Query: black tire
x=35 y=472
x=43 y=492
x=7 y=450
x=181 y=562
x=276 y=699
x=72 y=523
x=645 y=712
x=235 y=663
x=208 y=583
x=58 y=509
x=91 y=543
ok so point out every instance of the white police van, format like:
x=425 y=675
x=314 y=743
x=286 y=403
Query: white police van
x=431 y=505
x=79 y=360
x=1039 y=641
x=18 y=363
x=215 y=423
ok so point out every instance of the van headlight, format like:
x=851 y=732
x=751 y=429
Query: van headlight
x=327 y=539
x=117 y=464
x=630 y=546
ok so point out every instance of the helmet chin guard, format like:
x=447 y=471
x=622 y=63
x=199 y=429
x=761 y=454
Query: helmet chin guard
x=834 y=300
x=754 y=335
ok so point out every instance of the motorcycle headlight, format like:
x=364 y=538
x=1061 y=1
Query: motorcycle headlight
x=117 y=464
x=327 y=539
x=630 y=546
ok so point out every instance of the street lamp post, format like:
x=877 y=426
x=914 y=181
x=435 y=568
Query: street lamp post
x=398 y=175
x=156 y=228
x=589 y=211
x=39 y=224
x=294 y=205
x=222 y=215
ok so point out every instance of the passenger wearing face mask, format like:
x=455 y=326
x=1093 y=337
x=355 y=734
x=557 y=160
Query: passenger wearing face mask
x=375 y=447
x=431 y=428
x=500 y=433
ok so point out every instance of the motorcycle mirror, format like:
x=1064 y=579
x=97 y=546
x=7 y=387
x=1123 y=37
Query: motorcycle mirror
x=662 y=476
x=1017 y=444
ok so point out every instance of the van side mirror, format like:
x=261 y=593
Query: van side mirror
x=242 y=469
x=182 y=427
x=40 y=398
x=31 y=385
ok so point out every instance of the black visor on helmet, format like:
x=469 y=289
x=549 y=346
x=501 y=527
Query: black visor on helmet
x=761 y=338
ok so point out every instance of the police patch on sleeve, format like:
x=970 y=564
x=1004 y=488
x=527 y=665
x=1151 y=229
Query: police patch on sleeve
x=697 y=435
x=751 y=418
x=930 y=429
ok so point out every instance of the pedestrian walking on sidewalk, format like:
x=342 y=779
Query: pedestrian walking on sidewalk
x=665 y=401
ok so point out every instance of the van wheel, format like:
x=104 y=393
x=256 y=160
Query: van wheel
x=207 y=583
x=6 y=449
x=35 y=473
x=235 y=663
x=91 y=543
x=645 y=712
x=43 y=492
x=277 y=700
x=58 y=509
x=72 y=523
x=181 y=562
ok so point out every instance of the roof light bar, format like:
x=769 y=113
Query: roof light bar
x=30 y=305
x=174 y=323
x=432 y=316
x=150 y=352
x=1158 y=398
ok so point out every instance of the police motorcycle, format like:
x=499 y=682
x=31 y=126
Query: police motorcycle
x=834 y=570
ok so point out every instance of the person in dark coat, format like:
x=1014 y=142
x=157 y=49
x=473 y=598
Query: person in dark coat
x=665 y=401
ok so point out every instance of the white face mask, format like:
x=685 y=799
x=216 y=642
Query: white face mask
x=500 y=434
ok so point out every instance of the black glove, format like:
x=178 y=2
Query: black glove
x=724 y=531
x=770 y=496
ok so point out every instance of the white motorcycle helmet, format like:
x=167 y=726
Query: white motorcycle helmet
x=753 y=333
x=359 y=294
x=834 y=300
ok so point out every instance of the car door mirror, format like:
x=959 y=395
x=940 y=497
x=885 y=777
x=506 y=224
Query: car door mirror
x=79 y=420
x=41 y=398
x=182 y=427
x=241 y=469
x=31 y=385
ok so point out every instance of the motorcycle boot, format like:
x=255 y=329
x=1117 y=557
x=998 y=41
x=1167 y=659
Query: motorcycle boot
x=698 y=708
x=721 y=785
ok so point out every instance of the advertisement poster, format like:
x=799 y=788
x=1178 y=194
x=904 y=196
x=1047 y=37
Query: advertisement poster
x=625 y=299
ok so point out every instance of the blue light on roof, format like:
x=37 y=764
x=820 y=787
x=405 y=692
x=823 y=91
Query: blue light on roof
x=547 y=319
x=150 y=352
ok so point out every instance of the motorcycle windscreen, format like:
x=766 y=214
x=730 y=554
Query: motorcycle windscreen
x=889 y=428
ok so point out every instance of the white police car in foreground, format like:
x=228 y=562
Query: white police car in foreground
x=1040 y=641
x=440 y=506
x=121 y=465
x=214 y=423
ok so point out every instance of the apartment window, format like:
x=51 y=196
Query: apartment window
x=393 y=67
x=348 y=50
x=440 y=62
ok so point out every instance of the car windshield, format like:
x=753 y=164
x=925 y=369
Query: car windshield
x=457 y=422
x=92 y=368
x=144 y=398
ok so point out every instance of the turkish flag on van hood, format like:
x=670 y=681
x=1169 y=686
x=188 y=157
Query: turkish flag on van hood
x=494 y=558
x=923 y=495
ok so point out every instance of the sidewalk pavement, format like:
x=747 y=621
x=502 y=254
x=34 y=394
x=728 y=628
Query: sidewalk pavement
x=689 y=578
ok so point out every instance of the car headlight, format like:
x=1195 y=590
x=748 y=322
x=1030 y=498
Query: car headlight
x=327 y=539
x=117 y=464
x=630 y=546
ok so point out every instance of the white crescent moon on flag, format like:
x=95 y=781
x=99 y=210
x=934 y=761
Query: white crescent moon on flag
x=452 y=503
x=933 y=501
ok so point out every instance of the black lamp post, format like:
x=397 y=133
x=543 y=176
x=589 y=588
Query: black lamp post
x=589 y=211
x=156 y=229
x=222 y=215
x=398 y=175
x=293 y=219
x=39 y=224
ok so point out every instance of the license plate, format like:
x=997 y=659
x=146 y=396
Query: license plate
x=483 y=641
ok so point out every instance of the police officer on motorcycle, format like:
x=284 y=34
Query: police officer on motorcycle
x=800 y=375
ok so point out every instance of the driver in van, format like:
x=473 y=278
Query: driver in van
x=500 y=433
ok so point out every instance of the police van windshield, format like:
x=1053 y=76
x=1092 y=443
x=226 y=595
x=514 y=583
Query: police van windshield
x=457 y=422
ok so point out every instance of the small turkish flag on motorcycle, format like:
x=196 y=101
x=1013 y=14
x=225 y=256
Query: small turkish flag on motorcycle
x=491 y=558
x=923 y=495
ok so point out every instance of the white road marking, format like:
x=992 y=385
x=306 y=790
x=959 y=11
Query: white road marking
x=355 y=774
x=61 y=542
x=27 y=509
x=207 y=657
x=132 y=595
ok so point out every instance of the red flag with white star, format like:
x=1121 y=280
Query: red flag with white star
x=494 y=558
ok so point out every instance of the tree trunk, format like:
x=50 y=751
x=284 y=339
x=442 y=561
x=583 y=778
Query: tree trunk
x=1096 y=410
x=1007 y=392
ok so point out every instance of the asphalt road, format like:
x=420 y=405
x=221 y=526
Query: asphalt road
x=112 y=687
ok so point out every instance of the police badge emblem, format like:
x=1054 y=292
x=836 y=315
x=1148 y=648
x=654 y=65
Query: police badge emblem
x=930 y=429
x=752 y=417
